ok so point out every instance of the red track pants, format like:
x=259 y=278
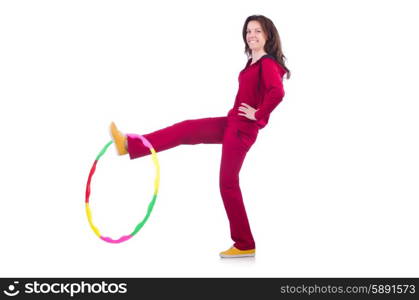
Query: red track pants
x=236 y=137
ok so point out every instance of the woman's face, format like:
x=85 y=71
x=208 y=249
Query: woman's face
x=255 y=36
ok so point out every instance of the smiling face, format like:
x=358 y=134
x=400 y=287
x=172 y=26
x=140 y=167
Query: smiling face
x=255 y=36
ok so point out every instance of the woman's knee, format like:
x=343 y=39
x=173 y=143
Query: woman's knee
x=185 y=130
x=228 y=183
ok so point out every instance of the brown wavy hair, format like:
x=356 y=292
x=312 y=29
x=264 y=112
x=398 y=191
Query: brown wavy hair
x=273 y=42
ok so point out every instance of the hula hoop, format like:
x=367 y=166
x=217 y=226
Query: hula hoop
x=123 y=238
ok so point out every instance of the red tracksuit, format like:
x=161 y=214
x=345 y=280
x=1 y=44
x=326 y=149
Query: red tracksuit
x=260 y=86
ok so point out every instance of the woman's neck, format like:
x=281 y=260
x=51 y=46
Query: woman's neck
x=256 y=55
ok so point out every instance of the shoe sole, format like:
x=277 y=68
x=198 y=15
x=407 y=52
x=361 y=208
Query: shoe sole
x=119 y=144
x=237 y=256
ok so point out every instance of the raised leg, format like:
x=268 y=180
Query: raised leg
x=189 y=132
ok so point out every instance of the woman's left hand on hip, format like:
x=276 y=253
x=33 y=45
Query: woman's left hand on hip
x=247 y=111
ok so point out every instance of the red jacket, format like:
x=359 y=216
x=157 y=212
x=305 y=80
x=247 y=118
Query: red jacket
x=260 y=86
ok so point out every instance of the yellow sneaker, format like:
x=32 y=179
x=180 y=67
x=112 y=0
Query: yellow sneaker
x=234 y=252
x=119 y=139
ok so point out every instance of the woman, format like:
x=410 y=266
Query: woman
x=260 y=91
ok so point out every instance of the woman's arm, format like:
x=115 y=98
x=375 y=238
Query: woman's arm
x=274 y=90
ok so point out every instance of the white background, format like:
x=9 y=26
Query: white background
x=331 y=185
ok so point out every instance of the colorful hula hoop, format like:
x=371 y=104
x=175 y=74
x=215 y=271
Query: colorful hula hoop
x=150 y=206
